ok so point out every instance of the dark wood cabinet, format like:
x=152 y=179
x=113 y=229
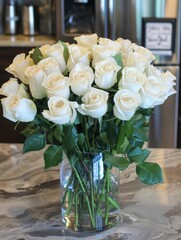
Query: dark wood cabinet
x=8 y=133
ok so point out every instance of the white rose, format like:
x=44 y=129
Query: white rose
x=132 y=79
x=81 y=78
x=126 y=47
x=12 y=86
x=86 y=40
x=151 y=70
x=78 y=54
x=137 y=60
x=157 y=89
x=100 y=52
x=106 y=73
x=125 y=44
x=57 y=85
x=49 y=65
x=44 y=49
x=95 y=103
x=168 y=81
x=61 y=111
x=16 y=108
x=145 y=52
x=19 y=65
x=126 y=103
x=56 y=51
x=114 y=45
x=36 y=76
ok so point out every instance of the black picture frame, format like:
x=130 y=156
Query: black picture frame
x=158 y=34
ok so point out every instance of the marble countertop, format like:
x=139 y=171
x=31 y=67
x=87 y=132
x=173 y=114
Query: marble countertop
x=25 y=41
x=30 y=200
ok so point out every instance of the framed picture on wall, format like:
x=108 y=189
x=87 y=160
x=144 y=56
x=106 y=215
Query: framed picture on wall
x=158 y=34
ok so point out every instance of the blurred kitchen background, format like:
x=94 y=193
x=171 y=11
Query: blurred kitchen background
x=155 y=24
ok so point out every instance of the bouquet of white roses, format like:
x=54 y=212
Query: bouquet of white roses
x=94 y=96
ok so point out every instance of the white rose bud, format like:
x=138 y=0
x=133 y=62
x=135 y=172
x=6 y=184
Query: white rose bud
x=19 y=65
x=108 y=42
x=137 y=60
x=157 y=89
x=126 y=47
x=12 y=86
x=125 y=44
x=57 y=85
x=16 y=108
x=36 y=76
x=168 y=81
x=44 y=49
x=86 y=40
x=145 y=52
x=56 y=51
x=49 y=65
x=126 y=103
x=78 y=54
x=81 y=78
x=106 y=73
x=132 y=79
x=95 y=103
x=151 y=70
x=100 y=52
x=61 y=111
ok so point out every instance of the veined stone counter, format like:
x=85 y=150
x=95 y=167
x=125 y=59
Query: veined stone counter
x=25 y=41
x=30 y=200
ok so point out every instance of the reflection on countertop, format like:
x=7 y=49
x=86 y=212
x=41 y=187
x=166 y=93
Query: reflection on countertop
x=25 y=41
x=30 y=200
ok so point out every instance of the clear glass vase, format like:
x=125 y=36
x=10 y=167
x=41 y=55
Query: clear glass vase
x=89 y=193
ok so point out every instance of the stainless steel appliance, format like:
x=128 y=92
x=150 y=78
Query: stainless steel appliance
x=124 y=18
x=30 y=20
x=10 y=17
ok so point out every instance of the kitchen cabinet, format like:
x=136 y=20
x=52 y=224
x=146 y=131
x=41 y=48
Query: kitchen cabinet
x=7 y=132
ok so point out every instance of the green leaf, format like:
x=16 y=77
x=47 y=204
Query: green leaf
x=123 y=146
x=138 y=155
x=42 y=122
x=65 y=52
x=128 y=129
x=141 y=133
x=81 y=139
x=118 y=162
x=149 y=173
x=112 y=133
x=30 y=129
x=34 y=142
x=133 y=143
x=50 y=137
x=103 y=137
x=118 y=59
x=146 y=112
x=70 y=137
x=58 y=133
x=53 y=156
x=37 y=56
x=122 y=141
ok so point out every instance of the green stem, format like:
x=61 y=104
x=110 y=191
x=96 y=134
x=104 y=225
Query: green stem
x=103 y=190
x=70 y=201
x=87 y=199
x=92 y=195
x=107 y=197
x=94 y=131
x=76 y=210
x=86 y=133
x=120 y=134
x=66 y=189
